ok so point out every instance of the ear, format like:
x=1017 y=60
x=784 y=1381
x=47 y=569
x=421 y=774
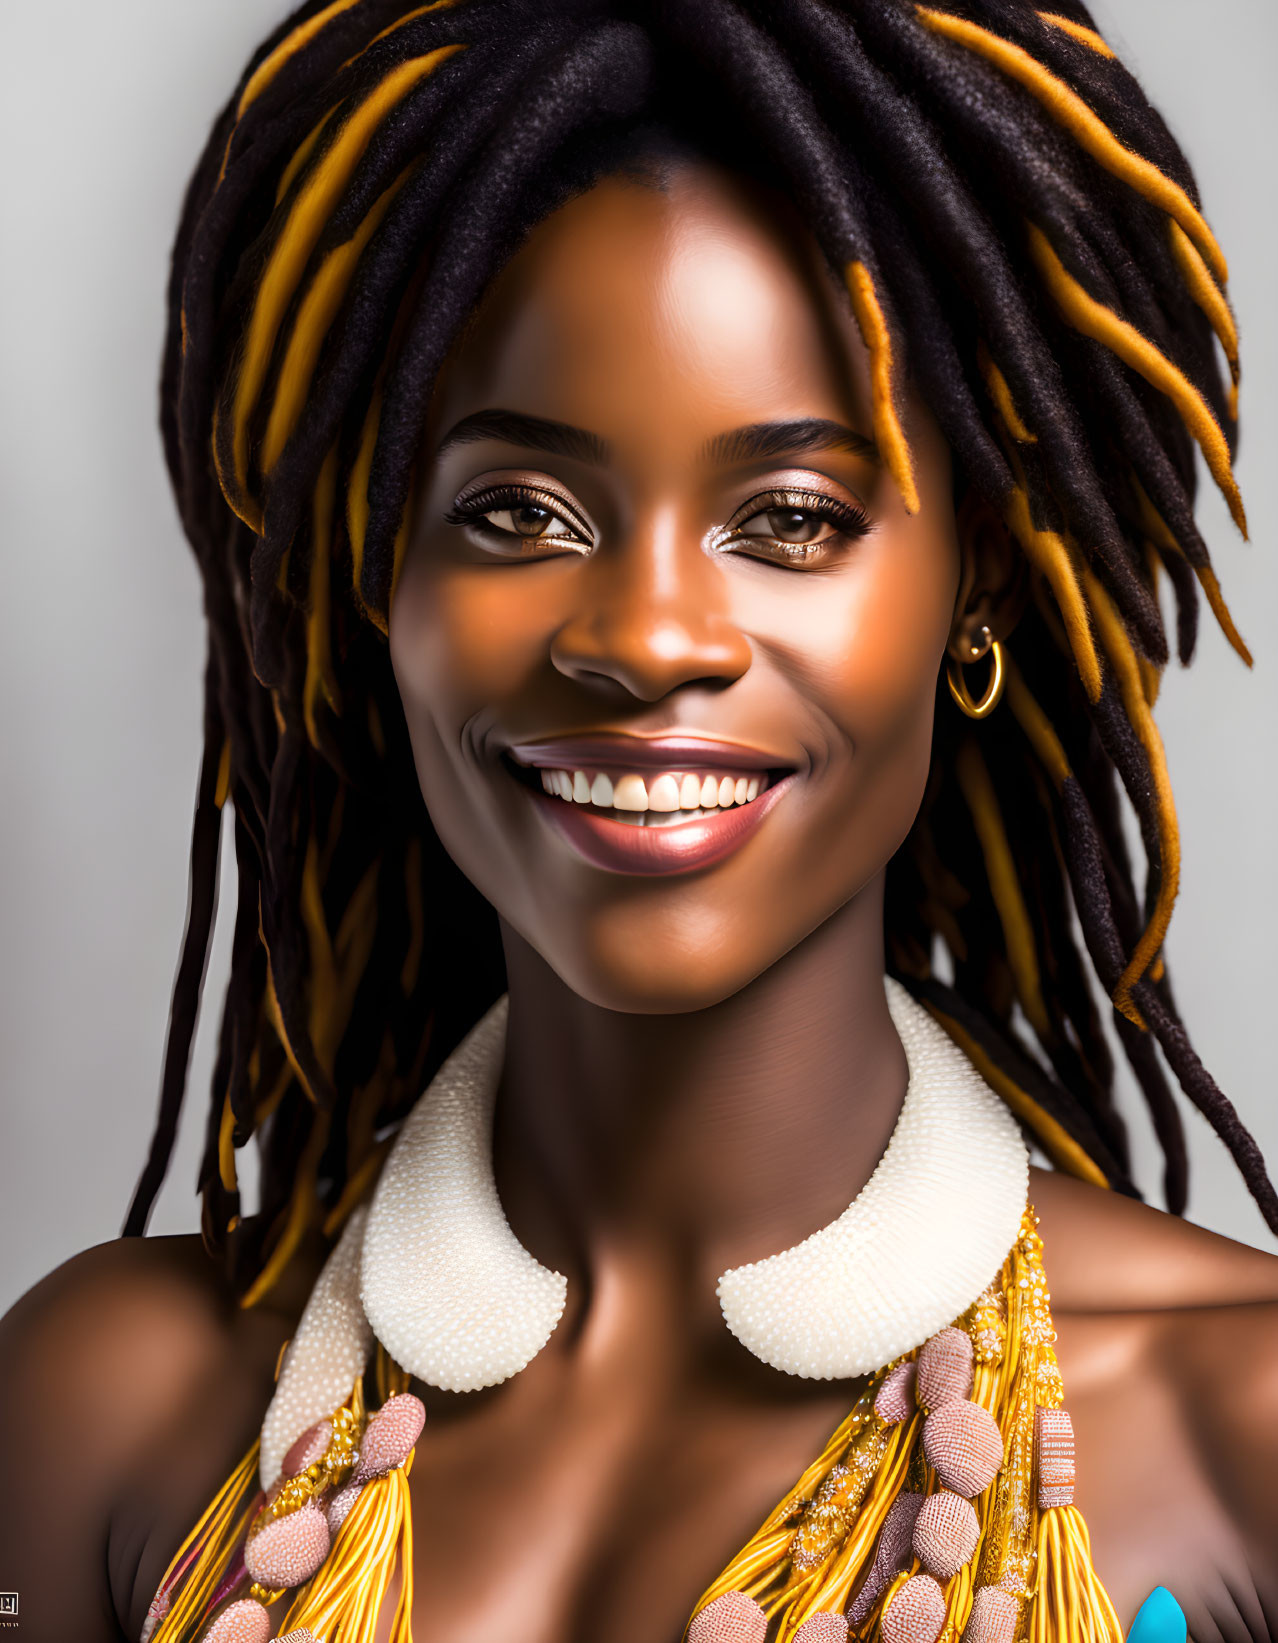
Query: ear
x=993 y=581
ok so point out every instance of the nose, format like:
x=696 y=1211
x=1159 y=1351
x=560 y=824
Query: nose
x=651 y=615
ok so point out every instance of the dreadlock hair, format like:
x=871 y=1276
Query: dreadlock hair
x=1017 y=234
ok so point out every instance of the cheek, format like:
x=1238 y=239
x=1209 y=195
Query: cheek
x=459 y=645
x=872 y=659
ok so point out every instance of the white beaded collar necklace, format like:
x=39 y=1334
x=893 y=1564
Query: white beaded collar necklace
x=432 y=1269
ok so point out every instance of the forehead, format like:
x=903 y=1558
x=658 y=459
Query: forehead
x=660 y=315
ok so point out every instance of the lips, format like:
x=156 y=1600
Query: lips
x=680 y=848
x=588 y=787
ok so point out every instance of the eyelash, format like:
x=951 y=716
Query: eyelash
x=470 y=510
x=850 y=520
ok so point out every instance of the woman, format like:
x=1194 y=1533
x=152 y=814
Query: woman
x=721 y=460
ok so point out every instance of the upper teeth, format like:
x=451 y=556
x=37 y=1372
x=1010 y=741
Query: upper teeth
x=669 y=791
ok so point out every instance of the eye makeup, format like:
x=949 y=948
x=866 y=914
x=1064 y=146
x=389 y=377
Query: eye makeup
x=515 y=518
x=780 y=526
x=792 y=527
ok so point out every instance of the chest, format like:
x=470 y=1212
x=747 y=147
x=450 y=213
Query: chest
x=560 y=1520
x=565 y=1506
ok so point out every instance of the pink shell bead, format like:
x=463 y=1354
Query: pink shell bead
x=945 y=1369
x=244 y=1622
x=309 y=1448
x=288 y=1551
x=1054 y=1448
x=962 y=1442
x=916 y=1613
x=390 y=1437
x=894 y=1550
x=897 y=1534
x=993 y=1617
x=339 y=1508
x=823 y=1628
x=895 y=1400
x=732 y=1618
x=946 y=1534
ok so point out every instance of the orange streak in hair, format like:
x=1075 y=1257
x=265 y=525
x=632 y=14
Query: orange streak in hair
x=226 y=1148
x=1206 y=293
x=289 y=46
x=1090 y=131
x=1095 y=320
x=1001 y=394
x=324 y=1026
x=300 y=157
x=276 y=1018
x=1220 y=610
x=357 y=491
x=354 y=1190
x=1119 y=650
x=399 y=23
x=288 y=257
x=1163 y=538
x=400 y=549
x=1079 y=31
x=301 y=1207
x=887 y=424
x=1059 y=1145
x=319 y=671
x=223 y=784
x=1037 y=726
x=1004 y=883
x=1049 y=552
x=314 y=317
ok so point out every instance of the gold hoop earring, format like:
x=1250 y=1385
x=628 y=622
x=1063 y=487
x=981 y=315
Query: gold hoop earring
x=993 y=690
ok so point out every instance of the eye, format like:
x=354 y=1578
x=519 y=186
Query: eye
x=799 y=529
x=519 y=520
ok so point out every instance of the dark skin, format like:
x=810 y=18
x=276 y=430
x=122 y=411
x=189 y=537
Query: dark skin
x=701 y=1069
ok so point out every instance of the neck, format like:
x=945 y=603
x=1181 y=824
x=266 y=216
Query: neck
x=705 y=1139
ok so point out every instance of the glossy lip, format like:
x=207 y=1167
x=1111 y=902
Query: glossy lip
x=615 y=751
x=679 y=847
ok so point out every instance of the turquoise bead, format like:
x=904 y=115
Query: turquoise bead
x=1161 y=1620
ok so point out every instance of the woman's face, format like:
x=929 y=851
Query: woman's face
x=666 y=638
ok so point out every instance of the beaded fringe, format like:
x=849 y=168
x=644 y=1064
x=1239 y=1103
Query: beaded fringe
x=815 y=1554
x=830 y=1555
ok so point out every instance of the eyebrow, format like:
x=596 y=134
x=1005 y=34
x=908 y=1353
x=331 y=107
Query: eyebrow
x=762 y=439
x=748 y=444
x=538 y=433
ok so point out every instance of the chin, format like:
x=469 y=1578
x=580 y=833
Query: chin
x=624 y=969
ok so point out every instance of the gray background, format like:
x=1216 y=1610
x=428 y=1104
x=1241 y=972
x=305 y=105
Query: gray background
x=100 y=634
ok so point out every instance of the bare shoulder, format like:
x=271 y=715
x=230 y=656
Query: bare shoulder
x=1107 y=1253
x=129 y=1378
x=1142 y=1296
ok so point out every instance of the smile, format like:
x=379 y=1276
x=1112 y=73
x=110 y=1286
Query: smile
x=660 y=821
x=660 y=800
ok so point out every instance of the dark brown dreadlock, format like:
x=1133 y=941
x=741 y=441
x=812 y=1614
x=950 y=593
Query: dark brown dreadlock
x=1016 y=231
